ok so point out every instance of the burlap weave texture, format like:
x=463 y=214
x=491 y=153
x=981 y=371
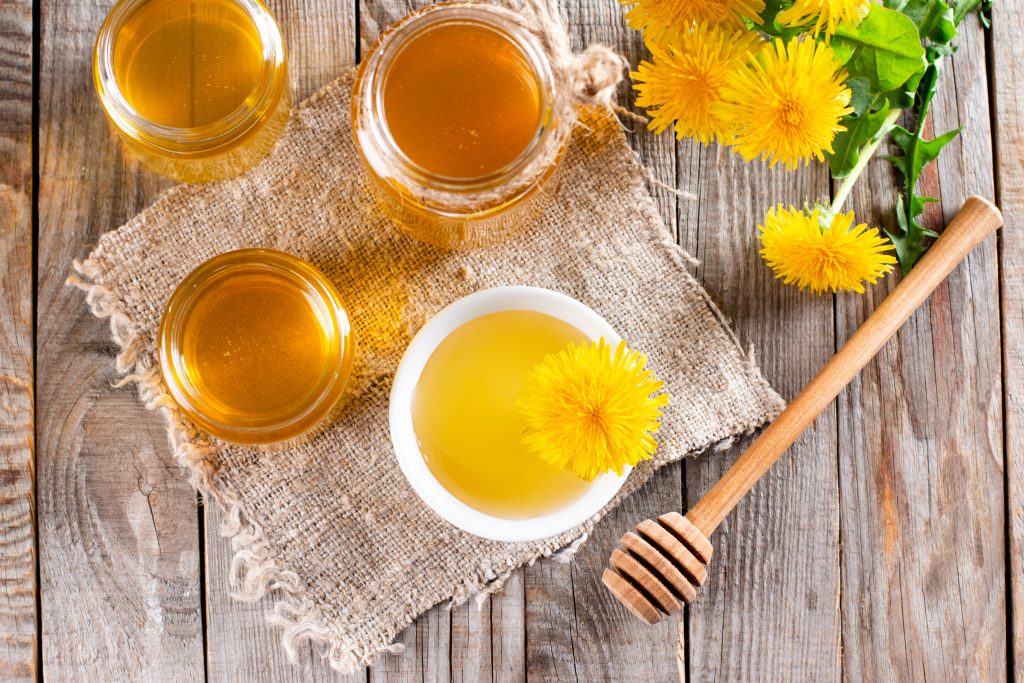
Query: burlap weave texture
x=331 y=527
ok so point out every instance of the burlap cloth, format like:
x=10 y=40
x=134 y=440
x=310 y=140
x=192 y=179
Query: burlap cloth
x=330 y=527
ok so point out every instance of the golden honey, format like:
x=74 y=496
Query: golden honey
x=209 y=51
x=255 y=346
x=451 y=113
x=462 y=101
x=197 y=89
x=467 y=424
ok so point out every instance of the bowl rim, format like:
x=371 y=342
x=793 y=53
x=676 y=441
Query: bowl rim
x=403 y=436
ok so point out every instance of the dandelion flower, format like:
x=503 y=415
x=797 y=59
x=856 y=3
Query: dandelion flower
x=663 y=20
x=802 y=250
x=827 y=15
x=589 y=410
x=685 y=77
x=788 y=104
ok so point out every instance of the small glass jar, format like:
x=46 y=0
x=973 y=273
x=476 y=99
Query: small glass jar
x=198 y=90
x=255 y=346
x=442 y=210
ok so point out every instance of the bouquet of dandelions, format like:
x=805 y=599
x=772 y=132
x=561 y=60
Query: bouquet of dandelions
x=787 y=81
x=793 y=80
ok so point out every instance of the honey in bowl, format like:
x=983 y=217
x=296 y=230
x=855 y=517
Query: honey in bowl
x=255 y=346
x=468 y=427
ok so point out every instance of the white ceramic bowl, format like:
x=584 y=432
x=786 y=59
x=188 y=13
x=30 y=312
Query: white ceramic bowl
x=403 y=437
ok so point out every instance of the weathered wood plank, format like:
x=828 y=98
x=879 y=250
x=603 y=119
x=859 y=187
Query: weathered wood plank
x=1008 y=77
x=119 y=554
x=769 y=610
x=320 y=36
x=921 y=459
x=551 y=624
x=508 y=631
x=602 y=22
x=488 y=642
x=609 y=644
x=18 y=637
x=240 y=645
x=426 y=656
x=471 y=642
x=575 y=629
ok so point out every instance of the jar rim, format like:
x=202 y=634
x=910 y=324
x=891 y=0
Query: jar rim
x=318 y=290
x=368 y=92
x=269 y=87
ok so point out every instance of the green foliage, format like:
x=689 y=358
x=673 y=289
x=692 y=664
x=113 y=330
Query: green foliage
x=965 y=7
x=848 y=147
x=769 y=23
x=937 y=22
x=884 y=58
x=934 y=19
x=911 y=238
x=884 y=49
x=893 y=57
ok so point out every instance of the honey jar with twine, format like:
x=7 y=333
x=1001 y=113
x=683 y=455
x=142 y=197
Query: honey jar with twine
x=461 y=114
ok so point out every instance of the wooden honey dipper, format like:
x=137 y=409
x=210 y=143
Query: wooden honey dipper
x=665 y=561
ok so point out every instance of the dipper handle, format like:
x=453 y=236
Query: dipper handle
x=976 y=220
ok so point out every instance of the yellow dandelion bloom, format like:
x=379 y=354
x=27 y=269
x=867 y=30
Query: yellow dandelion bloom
x=837 y=257
x=665 y=20
x=589 y=410
x=826 y=15
x=685 y=78
x=787 y=105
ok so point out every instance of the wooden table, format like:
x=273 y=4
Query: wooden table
x=887 y=546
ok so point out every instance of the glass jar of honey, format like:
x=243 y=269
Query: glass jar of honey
x=255 y=346
x=198 y=89
x=452 y=113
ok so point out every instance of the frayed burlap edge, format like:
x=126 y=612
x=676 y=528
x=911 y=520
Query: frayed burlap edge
x=254 y=572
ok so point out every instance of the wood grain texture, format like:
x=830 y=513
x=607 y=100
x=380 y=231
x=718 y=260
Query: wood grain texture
x=119 y=554
x=770 y=607
x=603 y=22
x=425 y=657
x=488 y=640
x=916 y=438
x=470 y=644
x=921 y=459
x=319 y=36
x=240 y=644
x=1008 y=78
x=18 y=637
x=508 y=631
x=976 y=221
x=575 y=628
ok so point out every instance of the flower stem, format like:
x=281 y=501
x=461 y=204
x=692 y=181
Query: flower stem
x=866 y=152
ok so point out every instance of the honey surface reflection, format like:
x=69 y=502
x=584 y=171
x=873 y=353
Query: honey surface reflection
x=467 y=423
x=255 y=346
x=461 y=101
x=187 y=64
